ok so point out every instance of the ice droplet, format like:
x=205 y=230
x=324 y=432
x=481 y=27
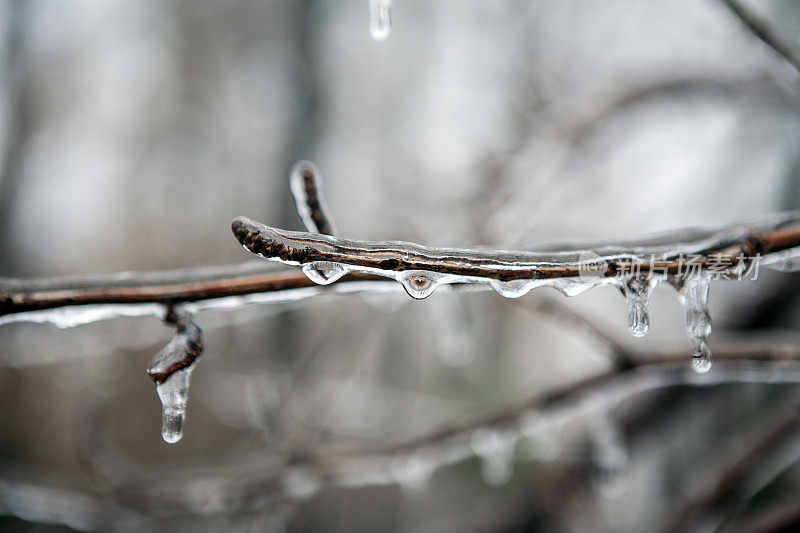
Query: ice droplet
x=324 y=272
x=418 y=285
x=380 y=19
x=173 y=393
x=694 y=292
x=701 y=358
x=512 y=289
x=637 y=295
x=496 y=452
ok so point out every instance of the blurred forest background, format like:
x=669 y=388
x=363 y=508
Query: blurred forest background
x=133 y=131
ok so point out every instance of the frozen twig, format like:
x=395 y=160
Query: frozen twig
x=32 y=299
x=306 y=184
x=763 y=31
x=421 y=269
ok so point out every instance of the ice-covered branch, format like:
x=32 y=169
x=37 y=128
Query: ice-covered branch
x=688 y=260
x=571 y=269
x=68 y=301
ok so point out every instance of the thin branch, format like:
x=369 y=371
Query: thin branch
x=727 y=489
x=763 y=31
x=776 y=519
x=167 y=287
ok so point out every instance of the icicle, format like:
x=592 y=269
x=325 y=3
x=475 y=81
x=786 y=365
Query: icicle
x=637 y=295
x=694 y=292
x=412 y=472
x=418 y=285
x=380 y=19
x=496 y=452
x=324 y=272
x=171 y=369
x=173 y=394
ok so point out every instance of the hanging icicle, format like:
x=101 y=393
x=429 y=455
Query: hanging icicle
x=380 y=19
x=171 y=369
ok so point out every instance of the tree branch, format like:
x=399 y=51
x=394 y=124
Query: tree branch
x=391 y=259
x=375 y=261
x=726 y=491
x=168 y=287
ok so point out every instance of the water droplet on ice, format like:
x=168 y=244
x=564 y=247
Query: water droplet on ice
x=380 y=19
x=701 y=359
x=324 y=272
x=418 y=285
x=637 y=296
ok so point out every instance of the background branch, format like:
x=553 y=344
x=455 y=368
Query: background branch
x=763 y=31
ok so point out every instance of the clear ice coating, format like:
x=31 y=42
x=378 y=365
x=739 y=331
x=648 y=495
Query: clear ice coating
x=694 y=293
x=324 y=272
x=172 y=368
x=637 y=295
x=380 y=19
